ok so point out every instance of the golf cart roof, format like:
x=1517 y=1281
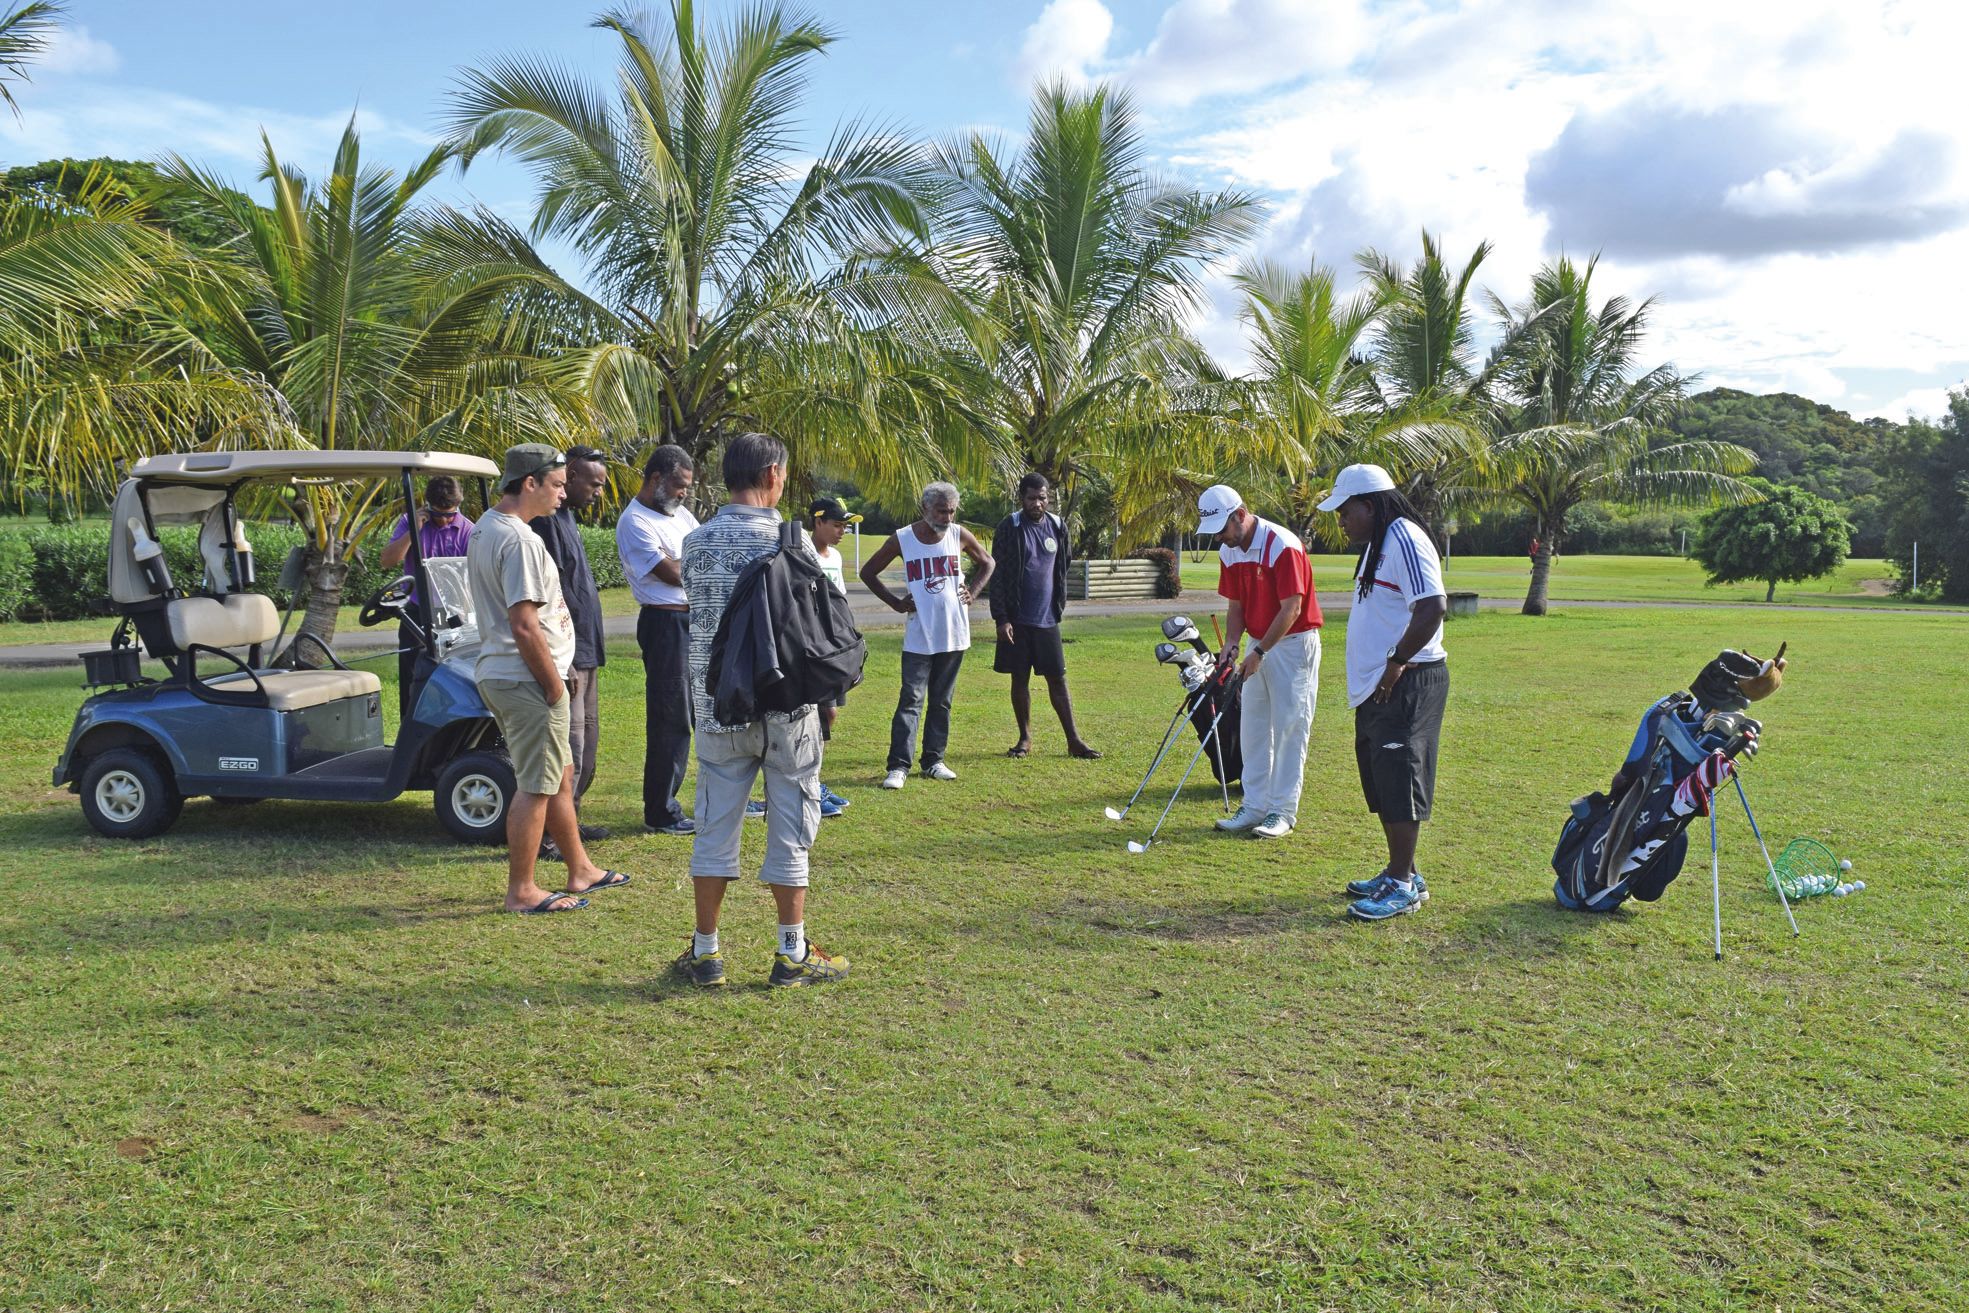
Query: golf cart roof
x=224 y=468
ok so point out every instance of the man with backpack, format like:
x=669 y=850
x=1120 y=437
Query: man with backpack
x=785 y=745
x=1028 y=597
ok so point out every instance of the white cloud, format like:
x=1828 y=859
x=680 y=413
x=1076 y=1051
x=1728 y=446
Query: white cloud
x=1922 y=403
x=1067 y=39
x=138 y=123
x=1786 y=177
x=74 y=50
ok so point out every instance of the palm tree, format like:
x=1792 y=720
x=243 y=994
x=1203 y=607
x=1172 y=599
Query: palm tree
x=1583 y=426
x=94 y=365
x=1065 y=276
x=724 y=295
x=1425 y=358
x=24 y=34
x=380 y=324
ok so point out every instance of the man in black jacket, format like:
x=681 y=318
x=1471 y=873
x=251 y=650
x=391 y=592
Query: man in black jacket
x=587 y=474
x=1028 y=596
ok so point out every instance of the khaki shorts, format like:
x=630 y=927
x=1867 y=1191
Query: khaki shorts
x=536 y=734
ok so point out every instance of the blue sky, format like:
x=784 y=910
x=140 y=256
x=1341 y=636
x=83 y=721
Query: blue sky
x=1788 y=178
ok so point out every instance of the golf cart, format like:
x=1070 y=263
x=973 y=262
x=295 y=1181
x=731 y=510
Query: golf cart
x=235 y=721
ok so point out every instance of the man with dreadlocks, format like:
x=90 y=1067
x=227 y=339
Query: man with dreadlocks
x=1397 y=676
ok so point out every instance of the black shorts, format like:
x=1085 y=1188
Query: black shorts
x=1033 y=648
x=1395 y=744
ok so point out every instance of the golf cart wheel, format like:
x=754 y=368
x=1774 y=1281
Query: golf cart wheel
x=129 y=794
x=472 y=797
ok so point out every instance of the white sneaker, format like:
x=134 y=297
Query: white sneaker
x=1240 y=820
x=1275 y=827
x=895 y=779
x=939 y=772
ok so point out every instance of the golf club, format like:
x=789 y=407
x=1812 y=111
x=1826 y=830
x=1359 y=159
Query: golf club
x=1162 y=750
x=1181 y=629
x=1208 y=738
x=1776 y=883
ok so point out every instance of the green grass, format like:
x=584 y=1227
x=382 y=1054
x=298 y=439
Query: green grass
x=290 y=1056
x=1859 y=582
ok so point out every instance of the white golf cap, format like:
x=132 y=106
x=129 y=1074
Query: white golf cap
x=1355 y=480
x=1215 y=506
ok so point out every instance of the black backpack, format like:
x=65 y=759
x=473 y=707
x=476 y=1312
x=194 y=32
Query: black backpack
x=787 y=638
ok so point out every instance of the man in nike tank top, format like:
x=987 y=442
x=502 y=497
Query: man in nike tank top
x=937 y=602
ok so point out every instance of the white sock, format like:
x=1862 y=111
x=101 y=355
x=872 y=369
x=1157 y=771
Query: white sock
x=1404 y=882
x=704 y=945
x=793 y=941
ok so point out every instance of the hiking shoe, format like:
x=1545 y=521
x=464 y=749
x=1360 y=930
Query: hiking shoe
x=1380 y=884
x=706 y=971
x=829 y=809
x=1241 y=820
x=1274 y=826
x=936 y=770
x=1390 y=904
x=754 y=810
x=895 y=779
x=816 y=968
x=829 y=795
x=550 y=851
x=682 y=825
x=591 y=833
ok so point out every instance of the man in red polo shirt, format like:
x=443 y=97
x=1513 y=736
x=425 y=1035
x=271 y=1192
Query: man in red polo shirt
x=1263 y=570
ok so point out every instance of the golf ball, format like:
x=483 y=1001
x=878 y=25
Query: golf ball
x=1845 y=865
x=1841 y=891
x=1859 y=884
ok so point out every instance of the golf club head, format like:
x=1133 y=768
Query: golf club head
x=1135 y=846
x=1113 y=815
x=1195 y=675
x=1167 y=653
x=1179 y=629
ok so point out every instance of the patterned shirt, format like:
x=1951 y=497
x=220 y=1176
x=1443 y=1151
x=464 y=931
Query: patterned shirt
x=715 y=554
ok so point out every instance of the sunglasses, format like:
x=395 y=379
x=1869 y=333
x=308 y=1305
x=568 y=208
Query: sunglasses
x=443 y=517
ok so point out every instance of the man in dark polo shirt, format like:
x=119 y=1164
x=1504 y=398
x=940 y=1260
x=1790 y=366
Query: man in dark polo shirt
x=587 y=472
x=1028 y=596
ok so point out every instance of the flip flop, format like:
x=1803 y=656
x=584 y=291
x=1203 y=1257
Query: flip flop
x=545 y=907
x=1090 y=754
x=1018 y=752
x=609 y=880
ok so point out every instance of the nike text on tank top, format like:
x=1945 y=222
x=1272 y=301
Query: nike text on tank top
x=935 y=571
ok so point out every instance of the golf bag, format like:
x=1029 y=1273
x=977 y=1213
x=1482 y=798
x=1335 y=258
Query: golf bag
x=1226 y=755
x=1630 y=842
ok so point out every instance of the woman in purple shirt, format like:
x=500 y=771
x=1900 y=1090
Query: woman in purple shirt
x=442 y=530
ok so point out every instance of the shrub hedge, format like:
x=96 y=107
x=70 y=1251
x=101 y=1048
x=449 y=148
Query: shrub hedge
x=1169 y=576
x=61 y=572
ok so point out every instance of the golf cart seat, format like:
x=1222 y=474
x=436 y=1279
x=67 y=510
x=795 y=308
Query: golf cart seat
x=247 y=620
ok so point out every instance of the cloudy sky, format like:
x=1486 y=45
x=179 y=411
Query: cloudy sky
x=1787 y=180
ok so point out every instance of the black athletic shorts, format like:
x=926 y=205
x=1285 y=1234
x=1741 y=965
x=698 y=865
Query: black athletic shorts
x=1033 y=647
x=1395 y=744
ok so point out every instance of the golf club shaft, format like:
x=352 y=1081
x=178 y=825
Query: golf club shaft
x=1162 y=750
x=1769 y=865
x=1715 y=884
x=1194 y=758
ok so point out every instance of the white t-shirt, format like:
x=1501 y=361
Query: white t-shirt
x=830 y=565
x=505 y=564
x=642 y=538
x=1409 y=571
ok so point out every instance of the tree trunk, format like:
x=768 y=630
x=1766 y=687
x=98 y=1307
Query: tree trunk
x=1541 y=576
x=1770 y=589
x=325 y=575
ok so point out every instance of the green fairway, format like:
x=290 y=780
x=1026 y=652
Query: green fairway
x=1608 y=579
x=291 y=1056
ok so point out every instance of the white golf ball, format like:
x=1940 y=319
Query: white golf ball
x=1840 y=892
x=1845 y=865
x=1859 y=884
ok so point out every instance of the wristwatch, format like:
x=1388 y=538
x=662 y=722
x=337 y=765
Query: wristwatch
x=1391 y=652
x=1257 y=649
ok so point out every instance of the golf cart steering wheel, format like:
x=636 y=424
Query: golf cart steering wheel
x=387 y=602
